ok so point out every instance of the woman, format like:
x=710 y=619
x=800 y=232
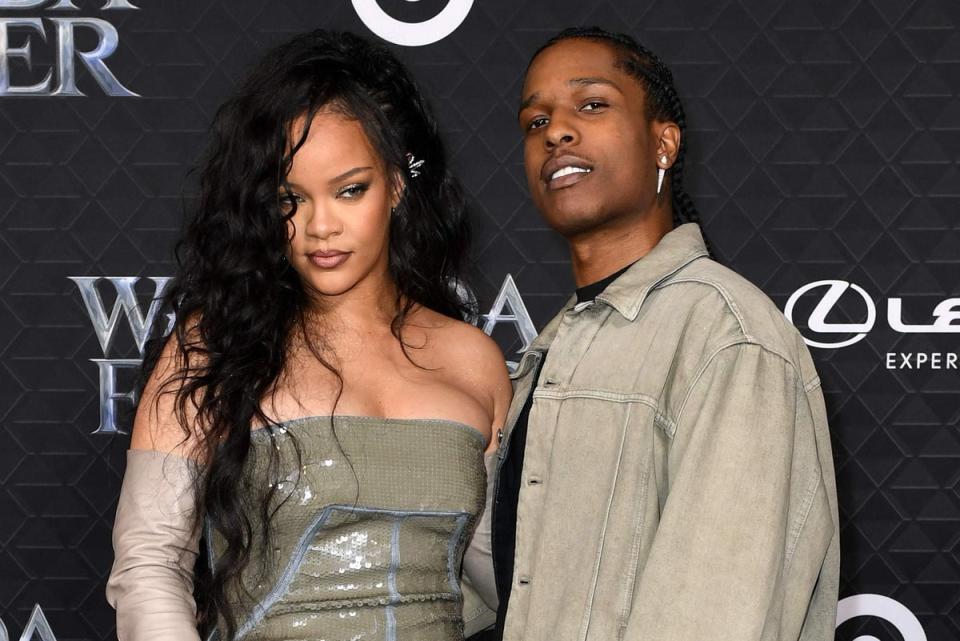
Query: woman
x=320 y=406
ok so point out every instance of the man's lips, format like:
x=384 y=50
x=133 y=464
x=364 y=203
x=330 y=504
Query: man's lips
x=564 y=171
x=328 y=259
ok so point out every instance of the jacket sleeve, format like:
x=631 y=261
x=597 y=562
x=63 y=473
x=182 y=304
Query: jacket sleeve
x=479 y=586
x=730 y=520
x=155 y=547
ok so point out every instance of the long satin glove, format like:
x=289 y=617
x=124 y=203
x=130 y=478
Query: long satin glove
x=479 y=586
x=151 y=583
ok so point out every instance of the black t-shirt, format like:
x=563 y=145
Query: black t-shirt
x=505 y=524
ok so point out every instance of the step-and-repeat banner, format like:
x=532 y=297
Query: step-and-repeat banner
x=824 y=139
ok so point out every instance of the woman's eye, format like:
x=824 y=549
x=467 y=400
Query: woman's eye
x=286 y=199
x=352 y=192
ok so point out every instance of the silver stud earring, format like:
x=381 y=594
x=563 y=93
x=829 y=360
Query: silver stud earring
x=660 y=173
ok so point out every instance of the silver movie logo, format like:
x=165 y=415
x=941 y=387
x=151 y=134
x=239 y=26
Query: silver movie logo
x=945 y=314
x=509 y=298
x=508 y=307
x=36 y=624
x=64 y=30
x=125 y=306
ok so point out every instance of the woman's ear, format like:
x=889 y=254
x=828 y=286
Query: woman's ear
x=398 y=186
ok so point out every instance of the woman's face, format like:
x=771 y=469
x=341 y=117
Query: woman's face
x=339 y=235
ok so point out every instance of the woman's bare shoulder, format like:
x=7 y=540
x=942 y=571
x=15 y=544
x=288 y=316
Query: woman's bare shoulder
x=458 y=341
x=160 y=418
x=472 y=357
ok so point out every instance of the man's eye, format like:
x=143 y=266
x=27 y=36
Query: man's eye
x=352 y=192
x=594 y=105
x=537 y=123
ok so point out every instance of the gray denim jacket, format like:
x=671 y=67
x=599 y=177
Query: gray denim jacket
x=678 y=482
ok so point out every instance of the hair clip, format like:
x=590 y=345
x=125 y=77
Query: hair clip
x=413 y=165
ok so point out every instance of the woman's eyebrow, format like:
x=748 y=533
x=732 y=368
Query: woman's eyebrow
x=349 y=173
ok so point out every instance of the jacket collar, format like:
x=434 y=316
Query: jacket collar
x=543 y=340
x=678 y=248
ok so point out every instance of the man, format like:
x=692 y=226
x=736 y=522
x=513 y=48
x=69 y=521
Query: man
x=665 y=472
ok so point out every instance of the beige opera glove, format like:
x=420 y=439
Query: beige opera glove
x=155 y=547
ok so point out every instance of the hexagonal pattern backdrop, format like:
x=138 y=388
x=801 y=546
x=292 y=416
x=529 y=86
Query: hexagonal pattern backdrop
x=824 y=145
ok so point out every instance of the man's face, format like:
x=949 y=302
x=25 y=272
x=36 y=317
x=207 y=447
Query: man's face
x=589 y=150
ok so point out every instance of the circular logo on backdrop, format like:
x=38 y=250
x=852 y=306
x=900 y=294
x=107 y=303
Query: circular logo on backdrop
x=412 y=34
x=817 y=322
x=877 y=605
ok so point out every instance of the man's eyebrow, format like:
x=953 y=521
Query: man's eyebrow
x=582 y=82
x=593 y=80
x=528 y=101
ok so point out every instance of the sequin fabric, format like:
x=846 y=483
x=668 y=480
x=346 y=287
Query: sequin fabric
x=368 y=533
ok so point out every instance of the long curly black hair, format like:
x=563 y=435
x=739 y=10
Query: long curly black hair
x=662 y=103
x=238 y=302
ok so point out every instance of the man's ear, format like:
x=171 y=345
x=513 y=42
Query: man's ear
x=668 y=140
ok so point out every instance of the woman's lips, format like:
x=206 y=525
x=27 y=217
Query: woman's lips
x=328 y=259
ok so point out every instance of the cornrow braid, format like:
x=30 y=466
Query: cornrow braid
x=662 y=102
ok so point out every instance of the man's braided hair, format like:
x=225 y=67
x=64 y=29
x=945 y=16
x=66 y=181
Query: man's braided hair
x=662 y=103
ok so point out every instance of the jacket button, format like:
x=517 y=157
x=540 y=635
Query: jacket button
x=499 y=436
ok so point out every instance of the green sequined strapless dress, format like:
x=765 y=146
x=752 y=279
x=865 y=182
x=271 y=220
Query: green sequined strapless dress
x=368 y=532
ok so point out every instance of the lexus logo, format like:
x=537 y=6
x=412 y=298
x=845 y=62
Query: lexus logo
x=412 y=34
x=818 y=317
x=946 y=314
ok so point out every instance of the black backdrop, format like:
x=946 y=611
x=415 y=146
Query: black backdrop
x=824 y=139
